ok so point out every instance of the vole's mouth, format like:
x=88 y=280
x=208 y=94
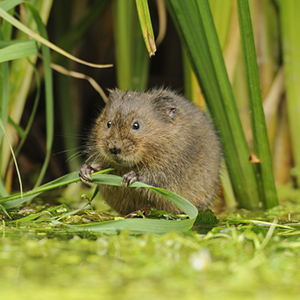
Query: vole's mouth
x=118 y=159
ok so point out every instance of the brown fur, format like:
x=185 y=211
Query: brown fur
x=175 y=148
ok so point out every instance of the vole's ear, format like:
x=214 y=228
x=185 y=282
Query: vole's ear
x=170 y=111
x=166 y=105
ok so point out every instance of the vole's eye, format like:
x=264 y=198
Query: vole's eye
x=108 y=124
x=135 y=126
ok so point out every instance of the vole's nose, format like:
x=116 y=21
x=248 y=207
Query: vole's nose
x=114 y=150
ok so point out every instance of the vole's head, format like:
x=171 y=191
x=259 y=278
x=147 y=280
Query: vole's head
x=134 y=128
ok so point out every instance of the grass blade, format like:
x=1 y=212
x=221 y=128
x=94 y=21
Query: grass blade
x=14 y=157
x=9 y=4
x=123 y=17
x=4 y=83
x=290 y=24
x=143 y=225
x=140 y=72
x=44 y=41
x=131 y=55
x=136 y=225
x=17 y=50
x=146 y=25
x=196 y=29
x=263 y=169
x=222 y=12
x=48 y=92
x=25 y=133
x=20 y=79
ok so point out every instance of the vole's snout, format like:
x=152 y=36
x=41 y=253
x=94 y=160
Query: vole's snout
x=114 y=150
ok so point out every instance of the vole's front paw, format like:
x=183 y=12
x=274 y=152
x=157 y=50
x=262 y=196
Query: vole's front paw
x=129 y=178
x=85 y=172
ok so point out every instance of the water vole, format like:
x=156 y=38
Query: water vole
x=159 y=138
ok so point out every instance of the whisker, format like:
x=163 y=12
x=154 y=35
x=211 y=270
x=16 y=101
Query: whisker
x=74 y=155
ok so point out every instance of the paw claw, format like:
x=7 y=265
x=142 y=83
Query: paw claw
x=129 y=178
x=85 y=172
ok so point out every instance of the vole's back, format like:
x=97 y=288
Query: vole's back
x=165 y=140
